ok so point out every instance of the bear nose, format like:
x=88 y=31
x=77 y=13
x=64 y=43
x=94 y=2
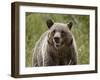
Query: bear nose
x=57 y=39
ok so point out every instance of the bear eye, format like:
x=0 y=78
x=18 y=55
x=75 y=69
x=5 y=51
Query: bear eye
x=62 y=32
x=54 y=31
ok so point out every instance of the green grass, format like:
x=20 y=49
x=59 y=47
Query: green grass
x=36 y=25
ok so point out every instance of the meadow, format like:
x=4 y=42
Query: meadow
x=36 y=25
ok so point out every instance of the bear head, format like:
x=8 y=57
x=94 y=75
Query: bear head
x=59 y=34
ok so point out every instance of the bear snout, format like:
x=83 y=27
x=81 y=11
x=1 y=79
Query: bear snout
x=57 y=39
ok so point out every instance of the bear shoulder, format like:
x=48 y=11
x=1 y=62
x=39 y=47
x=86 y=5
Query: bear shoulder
x=37 y=51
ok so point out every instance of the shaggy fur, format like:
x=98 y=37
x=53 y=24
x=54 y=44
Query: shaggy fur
x=56 y=46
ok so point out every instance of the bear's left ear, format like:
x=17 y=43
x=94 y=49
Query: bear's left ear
x=70 y=24
x=49 y=23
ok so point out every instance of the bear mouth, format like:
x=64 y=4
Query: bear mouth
x=57 y=45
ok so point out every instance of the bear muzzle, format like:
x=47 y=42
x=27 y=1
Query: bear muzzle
x=57 y=42
x=57 y=39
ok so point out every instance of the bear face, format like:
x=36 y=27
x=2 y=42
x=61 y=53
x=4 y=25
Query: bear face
x=59 y=34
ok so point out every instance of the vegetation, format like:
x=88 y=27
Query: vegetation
x=36 y=25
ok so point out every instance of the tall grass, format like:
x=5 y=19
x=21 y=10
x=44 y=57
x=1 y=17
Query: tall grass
x=36 y=25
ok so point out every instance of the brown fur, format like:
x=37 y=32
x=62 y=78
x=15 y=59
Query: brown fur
x=49 y=52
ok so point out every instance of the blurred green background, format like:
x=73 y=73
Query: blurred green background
x=36 y=25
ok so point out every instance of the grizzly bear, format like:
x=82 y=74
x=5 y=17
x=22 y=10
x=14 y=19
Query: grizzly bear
x=56 y=46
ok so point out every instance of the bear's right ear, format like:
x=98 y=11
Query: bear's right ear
x=49 y=23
